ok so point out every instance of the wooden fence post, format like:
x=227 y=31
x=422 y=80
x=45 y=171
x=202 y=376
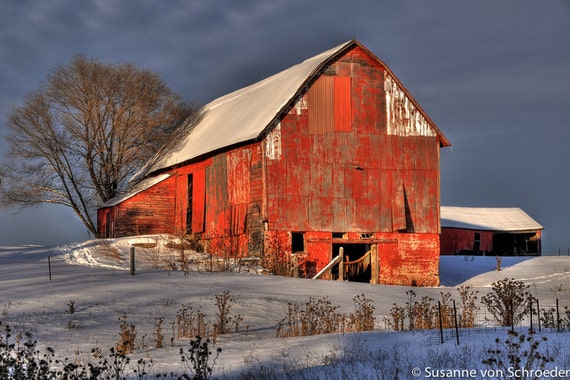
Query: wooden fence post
x=374 y=261
x=132 y=261
x=340 y=264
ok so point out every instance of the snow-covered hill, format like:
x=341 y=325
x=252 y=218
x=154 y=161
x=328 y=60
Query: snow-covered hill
x=95 y=279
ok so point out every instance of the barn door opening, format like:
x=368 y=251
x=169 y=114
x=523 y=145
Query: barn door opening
x=357 y=257
x=189 y=204
x=108 y=222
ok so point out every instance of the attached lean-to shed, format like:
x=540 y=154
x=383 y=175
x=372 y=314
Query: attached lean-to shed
x=331 y=153
x=496 y=231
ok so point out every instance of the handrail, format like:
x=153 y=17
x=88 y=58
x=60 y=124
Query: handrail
x=328 y=267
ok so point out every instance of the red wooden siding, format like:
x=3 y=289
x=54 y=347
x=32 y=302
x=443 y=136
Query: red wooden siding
x=456 y=240
x=149 y=212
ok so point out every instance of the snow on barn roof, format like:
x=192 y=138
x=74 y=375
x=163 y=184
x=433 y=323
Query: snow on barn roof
x=138 y=188
x=488 y=219
x=244 y=115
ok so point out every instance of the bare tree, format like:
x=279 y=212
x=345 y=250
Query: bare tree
x=83 y=133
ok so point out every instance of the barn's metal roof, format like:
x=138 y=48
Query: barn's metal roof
x=244 y=115
x=138 y=188
x=509 y=220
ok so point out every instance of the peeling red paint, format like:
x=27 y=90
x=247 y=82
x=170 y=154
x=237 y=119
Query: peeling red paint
x=330 y=167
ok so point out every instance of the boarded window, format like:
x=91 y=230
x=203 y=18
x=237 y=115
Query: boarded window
x=330 y=105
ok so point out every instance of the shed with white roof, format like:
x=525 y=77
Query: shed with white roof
x=488 y=230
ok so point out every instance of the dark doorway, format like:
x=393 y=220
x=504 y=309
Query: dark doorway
x=189 y=204
x=108 y=224
x=513 y=244
x=358 y=272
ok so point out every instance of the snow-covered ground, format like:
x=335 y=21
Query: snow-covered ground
x=95 y=279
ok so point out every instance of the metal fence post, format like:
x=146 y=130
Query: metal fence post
x=538 y=315
x=557 y=317
x=440 y=321
x=455 y=318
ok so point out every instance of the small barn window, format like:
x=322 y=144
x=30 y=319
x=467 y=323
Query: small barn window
x=297 y=242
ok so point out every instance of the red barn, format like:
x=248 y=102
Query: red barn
x=332 y=152
x=503 y=231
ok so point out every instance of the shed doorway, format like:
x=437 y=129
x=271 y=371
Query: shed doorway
x=359 y=255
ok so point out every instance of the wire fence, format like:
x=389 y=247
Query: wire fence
x=450 y=322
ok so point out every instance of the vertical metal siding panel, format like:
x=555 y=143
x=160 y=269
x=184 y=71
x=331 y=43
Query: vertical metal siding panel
x=385 y=200
x=398 y=206
x=342 y=104
x=238 y=167
x=180 y=202
x=217 y=212
x=373 y=184
x=338 y=182
x=340 y=215
x=198 y=200
x=320 y=98
x=276 y=177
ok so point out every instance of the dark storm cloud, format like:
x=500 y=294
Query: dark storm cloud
x=493 y=75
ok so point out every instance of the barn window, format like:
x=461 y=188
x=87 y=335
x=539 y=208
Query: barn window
x=297 y=242
x=330 y=105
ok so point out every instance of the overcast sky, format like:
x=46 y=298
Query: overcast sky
x=493 y=75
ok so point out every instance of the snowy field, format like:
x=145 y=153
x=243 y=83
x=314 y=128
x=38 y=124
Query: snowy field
x=97 y=282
